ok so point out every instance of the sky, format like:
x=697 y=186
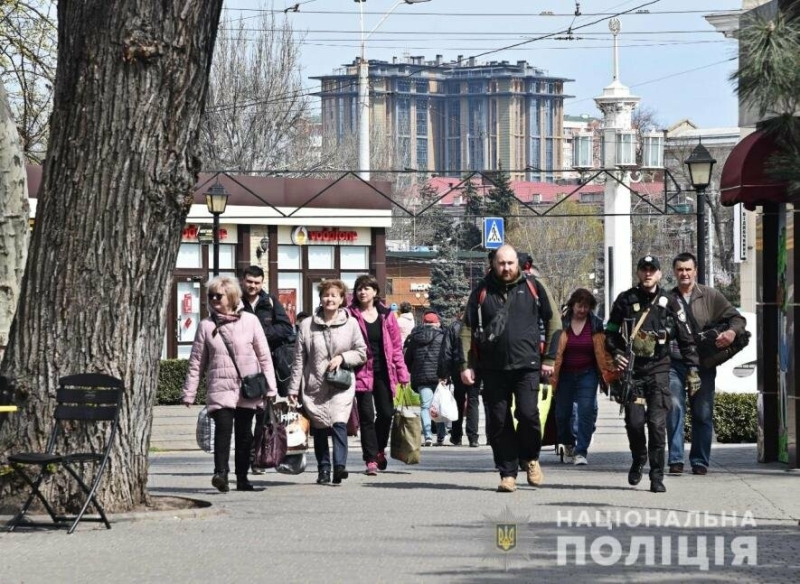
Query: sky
x=671 y=57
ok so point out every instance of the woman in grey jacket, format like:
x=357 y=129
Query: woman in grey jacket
x=328 y=340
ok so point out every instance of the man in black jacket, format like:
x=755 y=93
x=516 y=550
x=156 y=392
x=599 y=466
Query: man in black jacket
x=451 y=359
x=274 y=320
x=502 y=336
x=651 y=317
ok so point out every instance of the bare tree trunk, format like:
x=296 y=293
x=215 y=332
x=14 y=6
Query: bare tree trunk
x=14 y=210
x=121 y=163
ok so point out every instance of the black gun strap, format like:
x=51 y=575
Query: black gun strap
x=689 y=315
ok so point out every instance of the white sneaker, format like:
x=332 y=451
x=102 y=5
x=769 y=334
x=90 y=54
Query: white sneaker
x=580 y=460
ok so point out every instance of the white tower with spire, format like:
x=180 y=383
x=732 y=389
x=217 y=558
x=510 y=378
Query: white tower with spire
x=619 y=154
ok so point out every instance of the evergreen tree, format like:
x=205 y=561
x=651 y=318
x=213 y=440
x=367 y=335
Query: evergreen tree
x=769 y=80
x=468 y=234
x=500 y=199
x=434 y=225
x=449 y=288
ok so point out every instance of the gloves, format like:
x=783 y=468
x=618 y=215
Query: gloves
x=693 y=381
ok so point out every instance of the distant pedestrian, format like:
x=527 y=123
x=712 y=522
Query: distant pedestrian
x=422 y=350
x=405 y=320
x=581 y=358
x=229 y=332
x=377 y=380
x=327 y=341
x=451 y=360
x=502 y=329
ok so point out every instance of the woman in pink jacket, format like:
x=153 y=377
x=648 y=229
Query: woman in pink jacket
x=376 y=381
x=229 y=329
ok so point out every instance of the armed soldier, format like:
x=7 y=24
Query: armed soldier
x=653 y=317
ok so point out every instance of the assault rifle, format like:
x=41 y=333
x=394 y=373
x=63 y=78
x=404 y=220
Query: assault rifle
x=627 y=382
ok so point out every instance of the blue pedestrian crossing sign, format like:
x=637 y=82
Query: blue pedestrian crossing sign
x=494 y=232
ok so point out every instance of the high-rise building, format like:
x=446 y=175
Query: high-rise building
x=455 y=117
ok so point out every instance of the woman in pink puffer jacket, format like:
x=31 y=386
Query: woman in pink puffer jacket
x=229 y=324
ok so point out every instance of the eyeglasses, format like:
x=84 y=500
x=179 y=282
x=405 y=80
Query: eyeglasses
x=217 y=297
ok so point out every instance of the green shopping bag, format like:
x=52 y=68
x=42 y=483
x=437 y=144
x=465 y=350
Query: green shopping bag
x=406 y=397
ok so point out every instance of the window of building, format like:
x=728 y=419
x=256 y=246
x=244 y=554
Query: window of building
x=354 y=257
x=289 y=257
x=320 y=257
x=404 y=86
x=389 y=286
x=422 y=87
x=422 y=116
x=294 y=281
x=189 y=256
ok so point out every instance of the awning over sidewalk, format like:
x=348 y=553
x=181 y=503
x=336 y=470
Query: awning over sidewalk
x=744 y=176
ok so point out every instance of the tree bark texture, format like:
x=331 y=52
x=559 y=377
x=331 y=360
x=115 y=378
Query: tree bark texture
x=14 y=211
x=130 y=89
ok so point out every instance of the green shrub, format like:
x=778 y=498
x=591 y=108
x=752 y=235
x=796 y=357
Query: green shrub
x=171 y=375
x=735 y=418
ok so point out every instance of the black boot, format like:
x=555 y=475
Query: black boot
x=635 y=473
x=657 y=486
x=339 y=473
x=242 y=484
x=324 y=476
x=220 y=482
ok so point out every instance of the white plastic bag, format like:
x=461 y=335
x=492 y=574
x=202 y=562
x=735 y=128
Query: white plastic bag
x=444 y=407
x=205 y=431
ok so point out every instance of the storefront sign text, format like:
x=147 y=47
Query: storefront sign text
x=302 y=236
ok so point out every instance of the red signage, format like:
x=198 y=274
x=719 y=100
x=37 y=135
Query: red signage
x=331 y=235
x=191 y=232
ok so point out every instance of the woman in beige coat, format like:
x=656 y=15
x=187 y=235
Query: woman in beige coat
x=328 y=340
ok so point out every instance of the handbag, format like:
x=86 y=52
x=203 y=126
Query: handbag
x=270 y=445
x=204 y=434
x=253 y=386
x=710 y=355
x=353 y=422
x=341 y=377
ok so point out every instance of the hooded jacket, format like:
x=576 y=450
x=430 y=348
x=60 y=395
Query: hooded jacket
x=316 y=343
x=422 y=350
x=406 y=324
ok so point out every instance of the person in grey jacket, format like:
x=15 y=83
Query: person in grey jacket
x=422 y=348
x=706 y=306
x=328 y=340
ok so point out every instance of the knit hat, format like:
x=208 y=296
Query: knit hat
x=430 y=318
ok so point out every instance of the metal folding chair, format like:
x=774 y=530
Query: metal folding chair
x=87 y=409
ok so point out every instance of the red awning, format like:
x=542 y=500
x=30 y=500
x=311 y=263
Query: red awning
x=744 y=176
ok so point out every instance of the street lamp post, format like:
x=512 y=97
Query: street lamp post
x=700 y=164
x=216 y=201
x=363 y=88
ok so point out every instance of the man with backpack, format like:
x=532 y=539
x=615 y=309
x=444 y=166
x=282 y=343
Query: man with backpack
x=277 y=328
x=502 y=332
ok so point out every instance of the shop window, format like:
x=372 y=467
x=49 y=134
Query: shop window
x=288 y=281
x=289 y=257
x=189 y=256
x=227 y=256
x=320 y=257
x=354 y=257
x=349 y=278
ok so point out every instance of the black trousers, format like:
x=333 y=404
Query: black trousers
x=510 y=445
x=239 y=421
x=467 y=399
x=653 y=414
x=375 y=409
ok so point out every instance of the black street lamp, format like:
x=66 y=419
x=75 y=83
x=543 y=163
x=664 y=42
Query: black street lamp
x=700 y=164
x=216 y=201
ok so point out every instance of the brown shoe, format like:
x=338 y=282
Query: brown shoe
x=535 y=474
x=507 y=485
x=676 y=468
x=699 y=470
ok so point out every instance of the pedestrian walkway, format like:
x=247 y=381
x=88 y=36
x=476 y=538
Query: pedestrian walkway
x=439 y=521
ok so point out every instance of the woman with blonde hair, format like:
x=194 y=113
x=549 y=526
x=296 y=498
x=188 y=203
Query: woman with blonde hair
x=327 y=341
x=229 y=333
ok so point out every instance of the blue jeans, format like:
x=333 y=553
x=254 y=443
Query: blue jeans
x=426 y=397
x=339 y=434
x=702 y=411
x=581 y=389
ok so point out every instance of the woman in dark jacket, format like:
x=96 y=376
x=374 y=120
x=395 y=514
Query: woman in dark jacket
x=422 y=349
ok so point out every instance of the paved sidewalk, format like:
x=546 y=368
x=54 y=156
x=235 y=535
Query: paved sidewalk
x=438 y=521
